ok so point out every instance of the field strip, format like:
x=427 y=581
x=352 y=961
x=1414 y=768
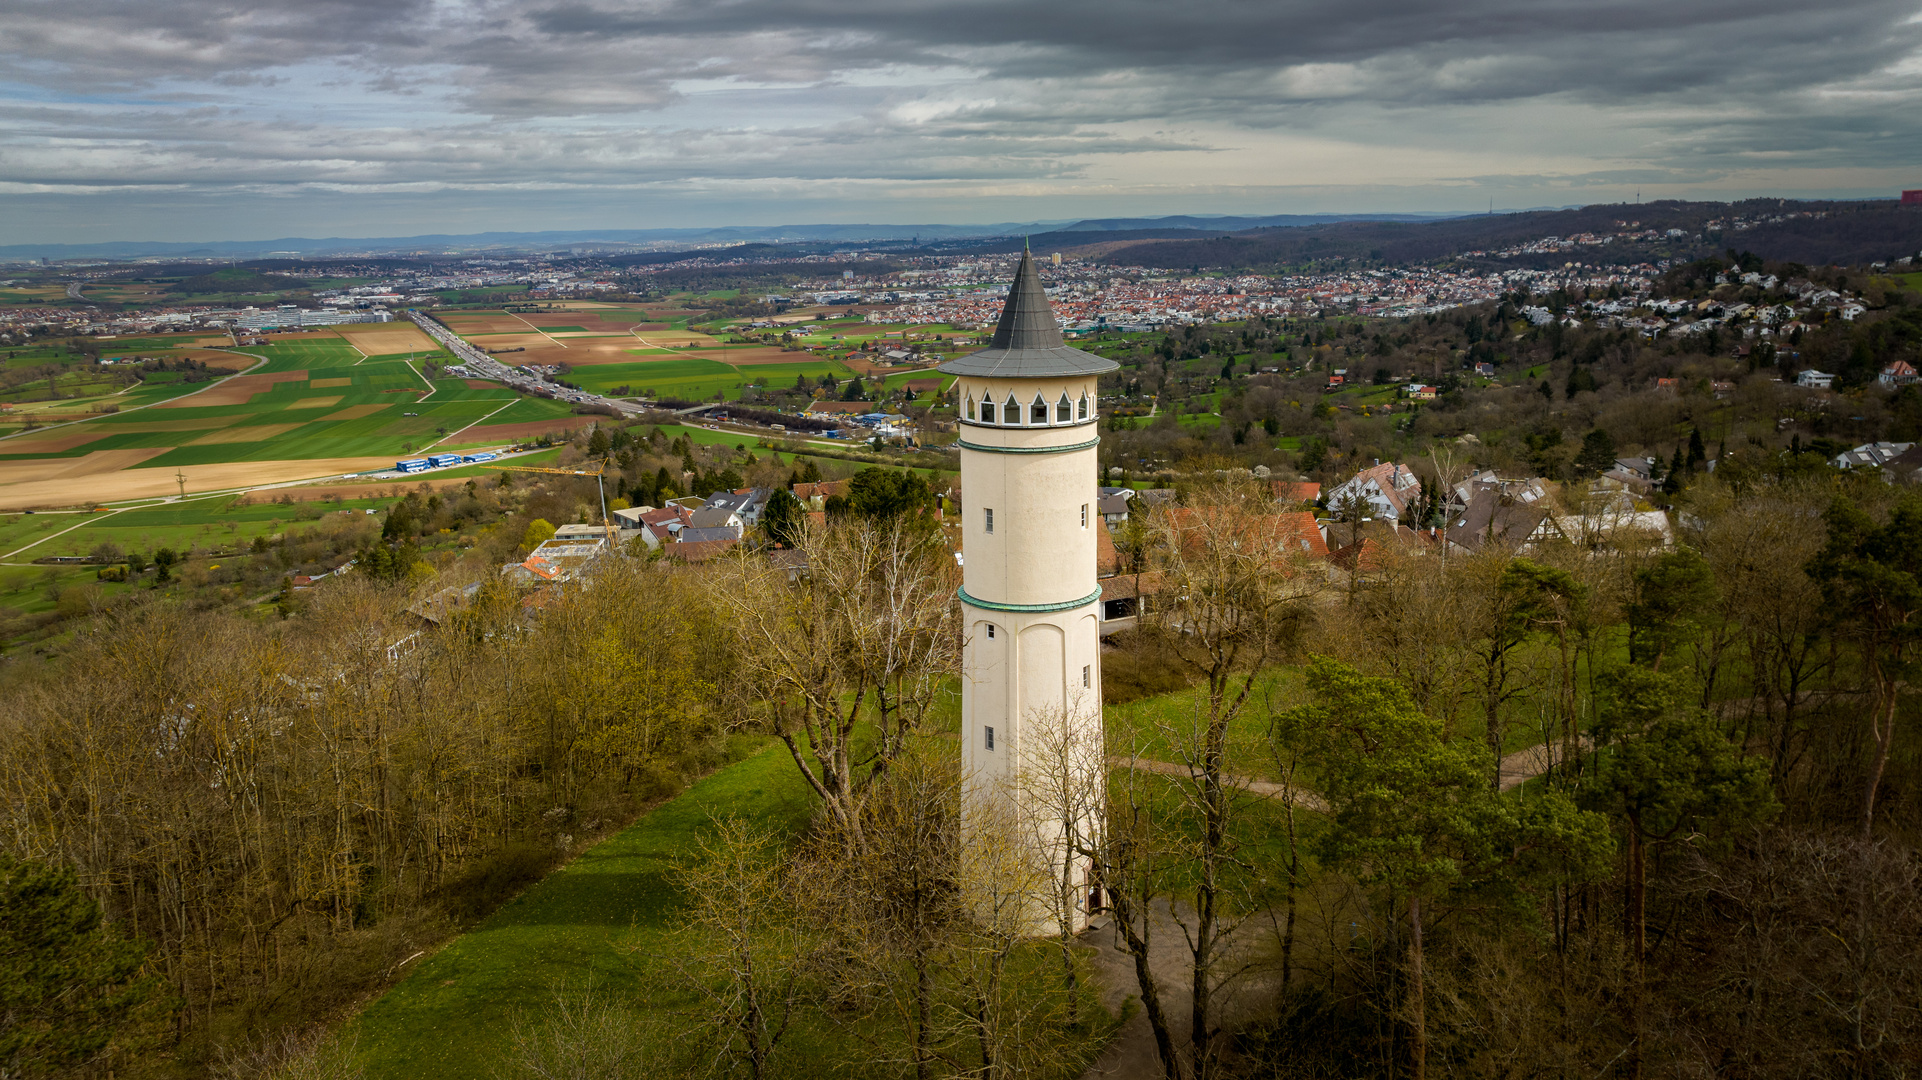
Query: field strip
x=482 y=420
x=538 y=330
x=259 y=361
x=81 y=524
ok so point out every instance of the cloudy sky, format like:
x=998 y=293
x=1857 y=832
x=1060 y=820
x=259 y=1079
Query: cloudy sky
x=221 y=119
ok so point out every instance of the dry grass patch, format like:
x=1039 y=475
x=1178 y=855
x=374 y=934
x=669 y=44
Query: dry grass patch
x=315 y=402
x=325 y=384
x=16 y=474
x=52 y=442
x=379 y=339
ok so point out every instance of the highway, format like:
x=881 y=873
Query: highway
x=479 y=365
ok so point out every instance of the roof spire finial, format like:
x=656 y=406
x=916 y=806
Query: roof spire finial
x=1025 y=246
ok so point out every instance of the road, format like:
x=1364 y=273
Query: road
x=73 y=291
x=475 y=363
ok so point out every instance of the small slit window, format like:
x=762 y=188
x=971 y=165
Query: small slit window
x=990 y=631
x=1084 y=515
x=1087 y=676
x=987 y=737
x=1038 y=412
x=988 y=520
x=1063 y=410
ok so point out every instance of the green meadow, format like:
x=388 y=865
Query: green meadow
x=601 y=918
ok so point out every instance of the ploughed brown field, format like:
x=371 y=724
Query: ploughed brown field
x=379 y=339
x=22 y=473
x=58 y=441
x=484 y=322
x=580 y=352
x=528 y=340
x=109 y=477
x=235 y=391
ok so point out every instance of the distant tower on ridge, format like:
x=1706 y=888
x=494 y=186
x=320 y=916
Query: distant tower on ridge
x=1031 y=663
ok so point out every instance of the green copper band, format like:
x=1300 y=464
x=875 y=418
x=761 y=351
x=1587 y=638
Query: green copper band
x=1031 y=609
x=965 y=445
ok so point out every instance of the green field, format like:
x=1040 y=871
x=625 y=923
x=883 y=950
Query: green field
x=599 y=918
x=359 y=410
x=217 y=523
x=529 y=409
x=311 y=354
x=693 y=379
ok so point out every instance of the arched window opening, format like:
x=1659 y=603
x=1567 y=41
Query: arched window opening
x=1038 y=412
x=1011 y=411
x=1064 y=410
x=987 y=411
x=1084 y=408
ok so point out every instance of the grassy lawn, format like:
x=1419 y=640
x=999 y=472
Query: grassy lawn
x=598 y=918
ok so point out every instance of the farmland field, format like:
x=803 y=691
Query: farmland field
x=315 y=408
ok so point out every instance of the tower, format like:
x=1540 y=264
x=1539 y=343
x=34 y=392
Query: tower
x=1031 y=663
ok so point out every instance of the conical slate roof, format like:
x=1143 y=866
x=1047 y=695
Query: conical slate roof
x=1027 y=344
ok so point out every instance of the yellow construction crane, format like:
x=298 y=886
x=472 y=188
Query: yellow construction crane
x=597 y=472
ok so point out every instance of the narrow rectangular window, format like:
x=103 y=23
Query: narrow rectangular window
x=1087 y=676
x=990 y=631
x=989 y=518
x=989 y=733
x=1084 y=515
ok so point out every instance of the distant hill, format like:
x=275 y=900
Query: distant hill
x=1852 y=232
x=235 y=280
x=677 y=239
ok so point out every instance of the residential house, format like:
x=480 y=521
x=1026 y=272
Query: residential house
x=747 y=502
x=557 y=560
x=702 y=548
x=1873 y=455
x=667 y=522
x=714 y=520
x=1485 y=369
x=1815 y=380
x=1422 y=391
x=1297 y=493
x=1900 y=373
x=1496 y=514
x=1113 y=508
x=1389 y=490
x=816 y=496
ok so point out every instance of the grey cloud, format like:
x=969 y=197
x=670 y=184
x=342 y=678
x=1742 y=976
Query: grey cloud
x=284 y=95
